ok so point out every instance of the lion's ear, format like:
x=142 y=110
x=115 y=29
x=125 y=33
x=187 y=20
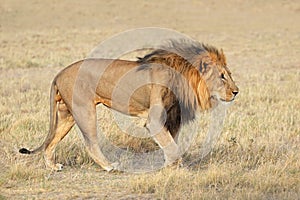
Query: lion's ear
x=222 y=57
x=203 y=67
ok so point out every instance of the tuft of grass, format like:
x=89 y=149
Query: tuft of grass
x=218 y=181
x=2 y=197
x=19 y=172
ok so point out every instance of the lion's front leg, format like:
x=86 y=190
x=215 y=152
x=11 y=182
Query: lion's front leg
x=169 y=146
x=165 y=140
x=156 y=125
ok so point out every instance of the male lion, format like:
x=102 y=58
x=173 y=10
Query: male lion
x=167 y=87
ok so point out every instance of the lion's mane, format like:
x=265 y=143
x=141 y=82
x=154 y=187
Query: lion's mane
x=187 y=91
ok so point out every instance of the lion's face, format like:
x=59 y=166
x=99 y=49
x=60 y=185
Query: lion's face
x=220 y=84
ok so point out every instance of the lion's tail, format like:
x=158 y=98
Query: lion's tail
x=53 y=111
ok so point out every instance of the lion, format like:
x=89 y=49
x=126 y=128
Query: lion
x=167 y=87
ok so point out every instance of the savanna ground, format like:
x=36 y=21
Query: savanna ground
x=258 y=154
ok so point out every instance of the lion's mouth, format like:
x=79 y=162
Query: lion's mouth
x=228 y=101
x=217 y=98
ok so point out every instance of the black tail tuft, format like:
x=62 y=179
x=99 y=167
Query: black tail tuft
x=24 y=151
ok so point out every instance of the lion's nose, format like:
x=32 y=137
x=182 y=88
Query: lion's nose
x=235 y=93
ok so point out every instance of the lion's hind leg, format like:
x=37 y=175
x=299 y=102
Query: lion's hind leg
x=86 y=121
x=64 y=122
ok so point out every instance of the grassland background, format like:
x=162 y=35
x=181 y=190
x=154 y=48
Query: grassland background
x=258 y=154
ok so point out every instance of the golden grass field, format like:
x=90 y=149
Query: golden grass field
x=258 y=153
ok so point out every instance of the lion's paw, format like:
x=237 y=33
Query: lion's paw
x=178 y=163
x=58 y=167
x=54 y=167
x=116 y=165
x=112 y=167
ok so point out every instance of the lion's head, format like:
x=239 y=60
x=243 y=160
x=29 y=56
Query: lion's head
x=217 y=76
x=204 y=67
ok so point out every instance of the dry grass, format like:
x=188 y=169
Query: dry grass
x=258 y=154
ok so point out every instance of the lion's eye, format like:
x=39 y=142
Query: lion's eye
x=223 y=76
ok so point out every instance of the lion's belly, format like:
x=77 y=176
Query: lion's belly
x=134 y=104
